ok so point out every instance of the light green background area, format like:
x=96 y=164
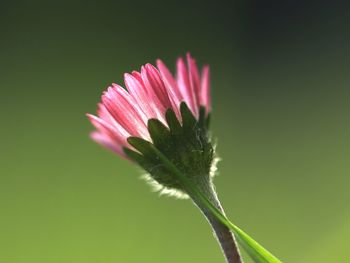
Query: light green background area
x=281 y=119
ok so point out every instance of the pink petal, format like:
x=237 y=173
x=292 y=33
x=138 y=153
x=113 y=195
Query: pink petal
x=156 y=88
x=149 y=94
x=205 y=99
x=185 y=87
x=194 y=78
x=153 y=100
x=138 y=91
x=171 y=86
x=109 y=130
x=137 y=75
x=125 y=111
x=107 y=142
x=104 y=114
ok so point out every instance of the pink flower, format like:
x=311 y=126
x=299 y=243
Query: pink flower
x=148 y=94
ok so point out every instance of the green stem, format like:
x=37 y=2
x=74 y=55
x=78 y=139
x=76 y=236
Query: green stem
x=223 y=234
x=253 y=248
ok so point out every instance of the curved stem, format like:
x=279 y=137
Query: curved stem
x=257 y=252
x=223 y=234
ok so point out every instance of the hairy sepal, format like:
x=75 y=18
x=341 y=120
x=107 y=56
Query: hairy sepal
x=184 y=142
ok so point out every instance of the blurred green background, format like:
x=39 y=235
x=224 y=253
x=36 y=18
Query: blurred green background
x=280 y=79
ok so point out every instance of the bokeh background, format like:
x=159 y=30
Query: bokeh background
x=280 y=78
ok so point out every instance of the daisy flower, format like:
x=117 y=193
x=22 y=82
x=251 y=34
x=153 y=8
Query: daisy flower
x=161 y=122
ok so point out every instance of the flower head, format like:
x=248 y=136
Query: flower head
x=157 y=110
x=161 y=123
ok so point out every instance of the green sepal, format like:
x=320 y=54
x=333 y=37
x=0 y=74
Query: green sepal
x=173 y=122
x=137 y=157
x=150 y=162
x=207 y=121
x=142 y=146
x=202 y=118
x=140 y=159
x=188 y=120
x=184 y=143
x=160 y=134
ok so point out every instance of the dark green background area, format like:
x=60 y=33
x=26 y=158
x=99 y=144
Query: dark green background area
x=280 y=79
